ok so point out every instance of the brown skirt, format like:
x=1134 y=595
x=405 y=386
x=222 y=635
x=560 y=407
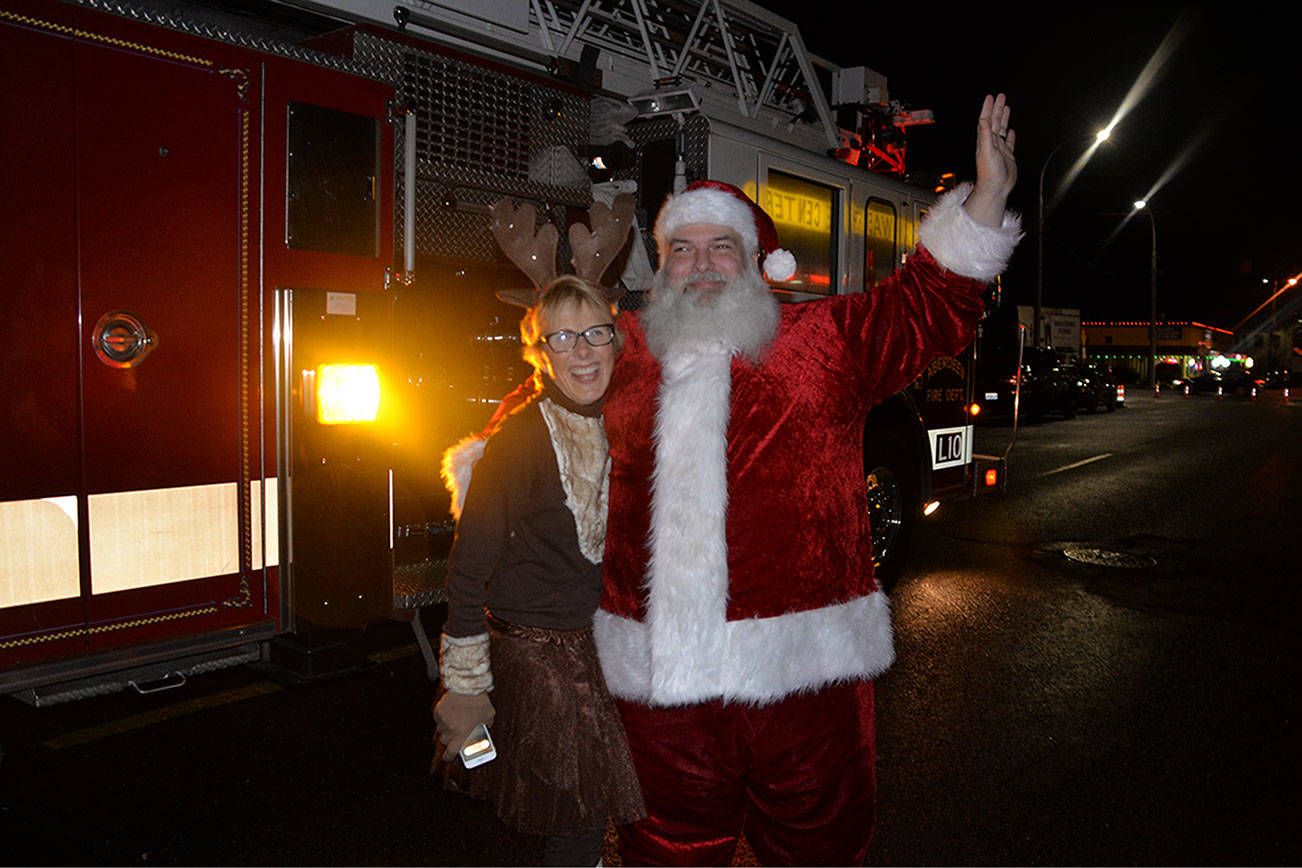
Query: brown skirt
x=563 y=764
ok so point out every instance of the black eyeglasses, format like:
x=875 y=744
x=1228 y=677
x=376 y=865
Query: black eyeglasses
x=565 y=340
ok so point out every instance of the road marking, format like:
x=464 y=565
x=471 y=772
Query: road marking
x=138 y=721
x=1078 y=464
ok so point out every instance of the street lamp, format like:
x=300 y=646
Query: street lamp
x=1142 y=205
x=1099 y=138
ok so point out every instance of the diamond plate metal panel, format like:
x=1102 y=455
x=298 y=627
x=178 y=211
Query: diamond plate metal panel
x=658 y=131
x=481 y=134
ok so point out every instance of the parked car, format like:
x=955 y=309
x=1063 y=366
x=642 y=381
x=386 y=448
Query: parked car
x=1097 y=388
x=1279 y=378
x=1170 y=376
x=1233 y=382
x=1052 y=389
x=1048 y=385
x=1239 y=382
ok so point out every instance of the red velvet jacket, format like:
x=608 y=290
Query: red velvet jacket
x=766 y=587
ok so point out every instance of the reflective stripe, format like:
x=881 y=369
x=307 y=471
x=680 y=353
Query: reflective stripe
x=271 y=505
x=144 y=538
x=38 y=550
x=137 y=539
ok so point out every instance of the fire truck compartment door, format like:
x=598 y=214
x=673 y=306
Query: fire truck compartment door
x=338 y=496
x=142 y=278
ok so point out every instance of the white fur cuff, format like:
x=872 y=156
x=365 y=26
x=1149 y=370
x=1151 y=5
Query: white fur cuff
x=962 y=245
x=464 y=664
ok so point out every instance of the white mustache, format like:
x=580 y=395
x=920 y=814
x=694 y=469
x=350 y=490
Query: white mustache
x=704 y=277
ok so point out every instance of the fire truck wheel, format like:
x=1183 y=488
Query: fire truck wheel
x=892 y=506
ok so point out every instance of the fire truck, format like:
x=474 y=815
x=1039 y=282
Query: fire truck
x=252 y=292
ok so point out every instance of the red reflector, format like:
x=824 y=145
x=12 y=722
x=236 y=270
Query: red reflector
x=992 y=477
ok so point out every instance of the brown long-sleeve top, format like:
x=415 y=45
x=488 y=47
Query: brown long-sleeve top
x=517 y=547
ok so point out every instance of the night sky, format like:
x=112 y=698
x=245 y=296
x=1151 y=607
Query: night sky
x=1219 y=117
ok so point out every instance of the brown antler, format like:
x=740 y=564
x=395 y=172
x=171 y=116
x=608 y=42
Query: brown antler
x=533 y=252
x=595 y=250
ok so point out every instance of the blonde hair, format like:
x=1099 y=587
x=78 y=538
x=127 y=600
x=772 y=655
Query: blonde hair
x=561 y=291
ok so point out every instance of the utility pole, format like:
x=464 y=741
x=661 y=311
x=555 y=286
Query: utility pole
x=1142 y=205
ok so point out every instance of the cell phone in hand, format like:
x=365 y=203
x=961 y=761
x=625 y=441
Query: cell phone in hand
x=478 y=748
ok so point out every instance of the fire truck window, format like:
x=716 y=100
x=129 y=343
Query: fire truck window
x=879 y=241
x=656 y=180
x=805 y=214
x=332 y=196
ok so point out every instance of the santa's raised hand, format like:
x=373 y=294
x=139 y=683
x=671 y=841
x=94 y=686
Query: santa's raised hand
x=996 y=166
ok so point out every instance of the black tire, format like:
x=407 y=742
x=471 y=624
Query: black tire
x=1069 y=409
x=893 y=506
x=1034 y=407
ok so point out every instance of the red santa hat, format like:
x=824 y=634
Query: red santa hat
x=725 y=205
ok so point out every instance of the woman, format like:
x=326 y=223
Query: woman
x=523 y=583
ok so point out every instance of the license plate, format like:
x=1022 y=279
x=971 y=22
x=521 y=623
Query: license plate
x=992 y=396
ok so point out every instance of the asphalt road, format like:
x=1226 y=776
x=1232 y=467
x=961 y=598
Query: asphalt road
x=1137 y=706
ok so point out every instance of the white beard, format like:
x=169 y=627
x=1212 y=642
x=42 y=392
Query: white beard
x=742 y=317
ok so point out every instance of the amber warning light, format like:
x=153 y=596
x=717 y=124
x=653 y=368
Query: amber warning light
x=347 y=393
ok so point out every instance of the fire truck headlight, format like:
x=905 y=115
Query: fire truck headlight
x=347 y=393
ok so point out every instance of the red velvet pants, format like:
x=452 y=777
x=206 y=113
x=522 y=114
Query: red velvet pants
x=795 y=776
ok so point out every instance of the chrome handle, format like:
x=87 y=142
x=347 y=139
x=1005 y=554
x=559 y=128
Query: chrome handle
x=121 y=340
x=163 y=684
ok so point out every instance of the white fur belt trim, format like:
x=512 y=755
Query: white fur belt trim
x=464 y=664
x=760 y=660
x=964 y=246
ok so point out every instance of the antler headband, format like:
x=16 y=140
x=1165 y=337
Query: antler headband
x=534 y=252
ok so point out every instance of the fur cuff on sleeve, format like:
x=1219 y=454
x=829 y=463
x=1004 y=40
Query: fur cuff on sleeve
x=962 y=245
x=464 y=664
x=458 y=462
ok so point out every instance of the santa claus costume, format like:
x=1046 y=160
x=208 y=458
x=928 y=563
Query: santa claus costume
x=741 y=626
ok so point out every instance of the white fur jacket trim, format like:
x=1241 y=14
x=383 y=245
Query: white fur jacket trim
x=964 y=246
x=687 y=572
x=458 y=462
x=583 y=459
x=464 y=664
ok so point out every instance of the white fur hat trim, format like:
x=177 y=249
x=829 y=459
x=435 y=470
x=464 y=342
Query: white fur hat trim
x=706 y=206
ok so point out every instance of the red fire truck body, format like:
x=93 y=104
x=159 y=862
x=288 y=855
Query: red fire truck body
x=250 y=293
x=156 y=256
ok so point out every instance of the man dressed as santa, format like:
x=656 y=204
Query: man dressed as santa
x=741 y=626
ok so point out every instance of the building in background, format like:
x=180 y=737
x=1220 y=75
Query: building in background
x=1060 y=327
x=1190 y=348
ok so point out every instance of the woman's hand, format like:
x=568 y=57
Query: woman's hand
x=456 y=715
x=995 y=164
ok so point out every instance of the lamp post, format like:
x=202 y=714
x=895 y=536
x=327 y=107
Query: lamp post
x=1142 y=205
x=1099 y=138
